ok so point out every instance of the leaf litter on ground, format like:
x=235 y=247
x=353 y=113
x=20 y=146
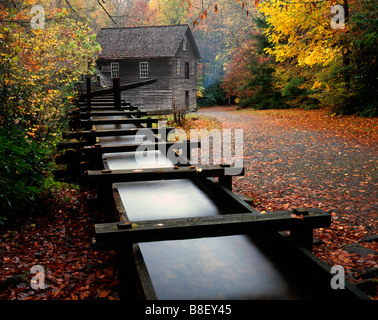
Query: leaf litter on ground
x=59 y=241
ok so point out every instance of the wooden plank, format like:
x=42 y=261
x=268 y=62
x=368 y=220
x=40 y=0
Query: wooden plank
x=98 y=99
x=90 y=122
x=148 y=290
x=210 y=226
x=110 y=105
x=122 y=88
x=119 y=207
x=112 y=176
x=116 y=132
x=88 y=149
x=102 y=107
x=163 y=146
x=224 y=197
x=112 y=113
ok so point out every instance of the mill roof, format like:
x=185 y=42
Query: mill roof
x=143 y=42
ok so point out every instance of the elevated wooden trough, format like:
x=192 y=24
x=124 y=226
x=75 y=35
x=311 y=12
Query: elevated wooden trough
x=175 y=221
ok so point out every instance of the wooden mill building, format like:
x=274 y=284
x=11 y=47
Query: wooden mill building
x=166 y=53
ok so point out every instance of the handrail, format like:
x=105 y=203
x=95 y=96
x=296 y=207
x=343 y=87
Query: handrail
x=122 y=88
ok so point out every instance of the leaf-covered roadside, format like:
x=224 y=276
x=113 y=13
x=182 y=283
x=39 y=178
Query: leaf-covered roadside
x=351 y=127
x=59 y=241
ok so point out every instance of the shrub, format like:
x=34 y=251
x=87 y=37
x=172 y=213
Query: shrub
x=213 y=95
x=22 y=169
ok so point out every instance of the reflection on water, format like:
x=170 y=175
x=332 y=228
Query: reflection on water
x=122 y=140
x=113 y=126
x=213 y=268
x=165 y=199
x=137 y=160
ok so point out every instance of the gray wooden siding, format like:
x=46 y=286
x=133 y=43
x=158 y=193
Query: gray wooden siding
x=153 y=97
x=181 y=84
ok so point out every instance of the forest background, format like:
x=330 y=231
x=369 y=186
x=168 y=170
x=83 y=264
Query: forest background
x=259 y=54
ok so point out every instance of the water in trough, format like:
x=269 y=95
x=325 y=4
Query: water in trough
x=231 y=267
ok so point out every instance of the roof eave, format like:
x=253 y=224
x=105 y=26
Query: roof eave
x=134 y=58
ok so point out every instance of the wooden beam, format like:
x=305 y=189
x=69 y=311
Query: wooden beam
x=148 y=290
x=164 y=146
x=210 y=226
x=99 y=99
x=102 y=107
x=110 y=105
x=224 y=197
x=111 y=176
x=116 y=132
x=122 y=88
x=112 y=113
x=120 y=211
x=90 y=122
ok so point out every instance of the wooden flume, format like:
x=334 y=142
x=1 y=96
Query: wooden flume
x=85 y=158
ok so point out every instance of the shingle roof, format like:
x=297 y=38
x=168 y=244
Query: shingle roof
x=143 y=42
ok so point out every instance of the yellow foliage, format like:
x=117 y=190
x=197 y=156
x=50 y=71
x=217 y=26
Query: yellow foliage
x=37 y=64
x=317 y=84
x=300 y=30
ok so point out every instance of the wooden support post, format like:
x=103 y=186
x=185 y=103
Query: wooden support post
x=127 y=273
x=105 y=197
x=163 y=131
x=96 y=158
x=91 y=139
x=117 y=93
x=226 y=181
x=89 y=102
x=188 y=150
x=303 y=233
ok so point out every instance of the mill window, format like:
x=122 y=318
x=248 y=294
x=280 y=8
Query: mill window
x=114 y=70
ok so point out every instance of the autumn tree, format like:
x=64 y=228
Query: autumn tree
x=341 y=61
x=169 y=12
x=38 y=67
x=249 y=75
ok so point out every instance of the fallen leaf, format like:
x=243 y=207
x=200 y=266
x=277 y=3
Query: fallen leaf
x=300 y=216
x=104 y=294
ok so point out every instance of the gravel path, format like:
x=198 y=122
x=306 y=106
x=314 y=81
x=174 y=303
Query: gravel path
x=289 y=166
